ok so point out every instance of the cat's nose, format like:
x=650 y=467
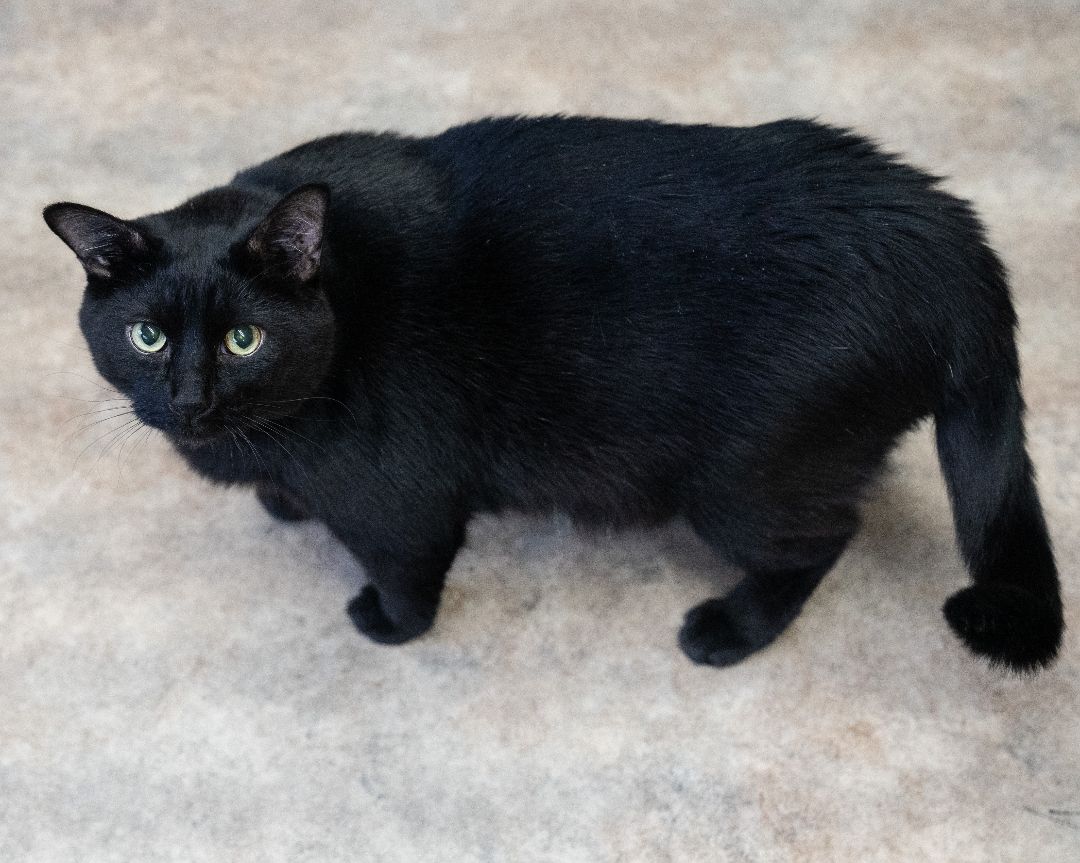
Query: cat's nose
x=191 y=414
x=188 y=408
x=189 y=404
x=187 y=399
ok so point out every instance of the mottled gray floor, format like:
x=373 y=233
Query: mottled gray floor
x=179 y=680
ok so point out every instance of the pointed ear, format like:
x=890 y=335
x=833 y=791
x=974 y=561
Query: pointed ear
x=104 y=244
x=290 y=238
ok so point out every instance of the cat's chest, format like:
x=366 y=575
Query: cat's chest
x=284 y=459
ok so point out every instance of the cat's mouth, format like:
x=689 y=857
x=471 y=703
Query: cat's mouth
x=196 y=435
x=185 y=432
x=196 y=439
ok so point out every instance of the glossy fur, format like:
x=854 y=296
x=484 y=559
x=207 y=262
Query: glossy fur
x=624 y=321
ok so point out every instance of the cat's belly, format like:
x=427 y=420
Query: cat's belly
x=591 y=497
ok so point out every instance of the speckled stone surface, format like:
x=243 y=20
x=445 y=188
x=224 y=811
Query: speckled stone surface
x=178 y=676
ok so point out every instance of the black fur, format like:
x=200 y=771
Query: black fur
x=624 y=321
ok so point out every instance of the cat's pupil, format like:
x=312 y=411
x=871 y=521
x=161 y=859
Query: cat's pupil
x=148 y=334
x=243 y=337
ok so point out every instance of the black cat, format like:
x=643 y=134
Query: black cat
x=624 y=321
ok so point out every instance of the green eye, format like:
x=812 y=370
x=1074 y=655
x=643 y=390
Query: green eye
x=146 y=337
x=243 y=341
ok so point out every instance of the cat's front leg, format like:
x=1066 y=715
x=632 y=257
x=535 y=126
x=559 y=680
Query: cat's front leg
x=405 y=586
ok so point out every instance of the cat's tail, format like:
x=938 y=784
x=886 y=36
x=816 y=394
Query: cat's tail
x=1012 y=614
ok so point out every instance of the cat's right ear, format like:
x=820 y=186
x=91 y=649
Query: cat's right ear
x=105 y=245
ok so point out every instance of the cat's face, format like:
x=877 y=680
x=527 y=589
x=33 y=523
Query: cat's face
x=210 y=320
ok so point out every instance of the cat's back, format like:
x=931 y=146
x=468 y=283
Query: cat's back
x=571 y=175
x=651 y=198
x=381 y=171
x=613 y=158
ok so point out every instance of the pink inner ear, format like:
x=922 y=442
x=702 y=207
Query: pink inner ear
x=293 y=230
x=97 y=264
x=100 y=241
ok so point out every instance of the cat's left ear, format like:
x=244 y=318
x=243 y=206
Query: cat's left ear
x=105 y=245
x=290 y=238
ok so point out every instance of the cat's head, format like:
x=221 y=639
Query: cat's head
x=210 y=317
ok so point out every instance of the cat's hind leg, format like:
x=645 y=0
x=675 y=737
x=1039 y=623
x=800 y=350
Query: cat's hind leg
x=727 y=629
x=781 y=573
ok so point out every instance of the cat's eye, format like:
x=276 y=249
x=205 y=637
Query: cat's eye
x=146 y=337
x=243 y=341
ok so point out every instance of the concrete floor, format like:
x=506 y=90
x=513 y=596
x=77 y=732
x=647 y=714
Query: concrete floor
x=179 y=679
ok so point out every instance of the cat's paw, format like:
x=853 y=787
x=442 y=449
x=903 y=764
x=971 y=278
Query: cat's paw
x=711 y=634
x=280 y=505
x=367 y=614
